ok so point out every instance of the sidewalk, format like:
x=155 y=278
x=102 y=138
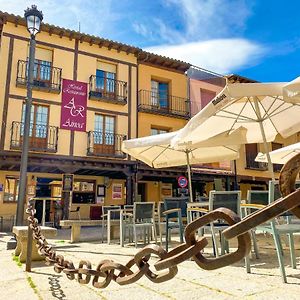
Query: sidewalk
x=191 y=282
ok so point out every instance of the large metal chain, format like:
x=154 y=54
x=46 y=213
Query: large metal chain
x=166 y=265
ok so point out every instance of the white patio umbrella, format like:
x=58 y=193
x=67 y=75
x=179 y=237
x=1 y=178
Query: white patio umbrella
x=280 y=156
x=156 y=151
x=265 y=109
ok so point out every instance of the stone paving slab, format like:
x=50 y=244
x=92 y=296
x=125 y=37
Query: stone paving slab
x=191 y=282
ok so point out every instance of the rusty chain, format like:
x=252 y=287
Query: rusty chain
x=166 y=266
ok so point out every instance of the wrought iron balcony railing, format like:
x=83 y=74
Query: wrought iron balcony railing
x=45 y=77
x=108 y=90
x=156 y=103
x=105 y=144
x=42 y=138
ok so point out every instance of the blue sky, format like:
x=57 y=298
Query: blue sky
x=259 y=39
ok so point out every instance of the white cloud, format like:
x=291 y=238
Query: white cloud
x=207 y=19
x=68 y=13
x=219 y=55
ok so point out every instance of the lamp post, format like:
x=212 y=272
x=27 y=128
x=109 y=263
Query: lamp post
x=33 y=19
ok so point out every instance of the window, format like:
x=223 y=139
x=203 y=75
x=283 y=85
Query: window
x=159 y=94
x=11 y=189
x=42 y=66
x=38 y=121
x=104 y=130
x=251 y=153
x=206 y=97
x=155 y=131
x=105 y=77
x=42 y=70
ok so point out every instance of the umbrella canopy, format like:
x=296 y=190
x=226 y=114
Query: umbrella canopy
x=280 y=156
x=156 y=150
x=264 y=109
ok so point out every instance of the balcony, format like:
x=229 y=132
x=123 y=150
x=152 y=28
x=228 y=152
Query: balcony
x=152 y=102
x=42 y=138
x=45 y=77
x=105 y=144
x=108 y=90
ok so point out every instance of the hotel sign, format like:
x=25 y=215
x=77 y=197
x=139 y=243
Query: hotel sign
x=73 y=105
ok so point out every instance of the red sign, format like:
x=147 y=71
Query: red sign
x=73 y=105
x=182 y=181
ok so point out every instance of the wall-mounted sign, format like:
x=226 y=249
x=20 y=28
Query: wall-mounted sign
x=73 y=105
x=182 y=181
x=67 y=182
x=117 y=189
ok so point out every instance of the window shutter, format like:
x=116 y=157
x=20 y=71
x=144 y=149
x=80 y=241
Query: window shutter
x=107 y=67
x=43 y=54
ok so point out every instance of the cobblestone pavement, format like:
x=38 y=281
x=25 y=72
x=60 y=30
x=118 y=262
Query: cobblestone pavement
x=191 y=282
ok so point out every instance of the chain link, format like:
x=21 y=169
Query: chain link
x=166 y=266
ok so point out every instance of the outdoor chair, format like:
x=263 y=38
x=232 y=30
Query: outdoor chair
x=175 y=211
x=143 y=218
x=259 y=199
x=218 y=199
x=116 y=215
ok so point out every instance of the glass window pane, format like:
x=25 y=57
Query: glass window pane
x=100 y=79
x=110 y=82
x=98 y=132
x=154 y=92
x=154 y=131
x=163 y=94
x=45 y=70
x=41 y=121
x=109 y=130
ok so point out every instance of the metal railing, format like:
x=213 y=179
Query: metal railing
x=154 y=102
x=45 y=77
x=42 y=138
x=109 y=90
x=105 y=144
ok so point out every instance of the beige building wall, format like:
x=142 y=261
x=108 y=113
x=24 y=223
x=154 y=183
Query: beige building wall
x=63 y=56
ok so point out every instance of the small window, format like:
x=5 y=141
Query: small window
x=206 y=97
x=155 y=131
x=106 y=77
x=159 y=94
x=11 y=189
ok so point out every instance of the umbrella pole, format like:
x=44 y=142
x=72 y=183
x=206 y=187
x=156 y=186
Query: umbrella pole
x=270 y=166
x=189 y=175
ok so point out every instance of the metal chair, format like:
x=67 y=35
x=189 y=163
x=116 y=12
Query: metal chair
x=143 y=218
x=258 y=200
x=175 y=210
x=105 y=209
x=227 y=199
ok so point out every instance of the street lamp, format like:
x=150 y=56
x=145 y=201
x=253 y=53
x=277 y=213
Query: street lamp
x=33 y=20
